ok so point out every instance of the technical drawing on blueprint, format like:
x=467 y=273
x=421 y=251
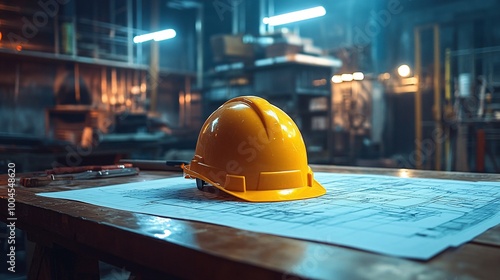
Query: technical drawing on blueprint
x=406 y=217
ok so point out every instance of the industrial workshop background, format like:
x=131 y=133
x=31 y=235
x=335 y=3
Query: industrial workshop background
x=387 y=83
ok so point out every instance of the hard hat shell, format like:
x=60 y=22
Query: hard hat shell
x=253 y=150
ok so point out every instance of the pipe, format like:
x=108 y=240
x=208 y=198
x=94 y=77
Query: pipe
x=235 y=26
x=112 y=15
x=188 y=96
x=77 y=83
x=437 y=97
x=199 y=47
x=154 y=65
x=418 y=101
x=447 y=94
x=130 y=25
x=138 y=26
x=56 y=34
x=262 y=14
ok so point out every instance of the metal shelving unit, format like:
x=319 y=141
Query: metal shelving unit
x=298 y=84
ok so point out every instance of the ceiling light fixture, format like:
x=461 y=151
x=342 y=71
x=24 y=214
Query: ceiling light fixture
x=404 y=71
x=295 y=16
x=358 y=76
x=337 y=79
x=157 y=36
x=346 y=77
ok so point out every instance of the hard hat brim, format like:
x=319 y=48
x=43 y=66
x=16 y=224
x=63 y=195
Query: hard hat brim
x=305 y=192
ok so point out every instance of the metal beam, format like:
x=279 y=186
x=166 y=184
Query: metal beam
x=130 y=26
x=154 y=64
x=437 y=97
x=112 y=15
x=418 y=101
x=199 y=46
x=91 y=61
x=138 y=48
x=447 y=94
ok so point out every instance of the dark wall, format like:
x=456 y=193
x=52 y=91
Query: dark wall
x=23 y=97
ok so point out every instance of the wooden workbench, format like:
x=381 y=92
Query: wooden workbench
x=71 y=236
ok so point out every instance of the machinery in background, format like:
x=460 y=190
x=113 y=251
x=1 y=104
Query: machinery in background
x=358 y=108
x=118 y=123
x=285 y=69
x=473 y=100
x=461 y=115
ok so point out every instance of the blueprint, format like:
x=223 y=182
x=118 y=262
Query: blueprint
x=405 y=217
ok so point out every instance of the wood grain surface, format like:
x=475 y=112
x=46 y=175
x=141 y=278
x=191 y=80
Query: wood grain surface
x=153 y=247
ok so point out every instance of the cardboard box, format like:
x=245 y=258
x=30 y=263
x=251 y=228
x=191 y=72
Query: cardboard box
x=282 y=49
x=230 y=48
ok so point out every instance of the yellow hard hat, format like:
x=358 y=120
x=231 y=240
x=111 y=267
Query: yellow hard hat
x=251 y=149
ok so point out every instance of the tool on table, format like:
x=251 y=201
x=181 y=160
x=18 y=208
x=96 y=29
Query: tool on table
x=168 y=165
x=31 y=182
x=77 y=169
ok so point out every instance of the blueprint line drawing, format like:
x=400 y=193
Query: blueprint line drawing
x=405 y=217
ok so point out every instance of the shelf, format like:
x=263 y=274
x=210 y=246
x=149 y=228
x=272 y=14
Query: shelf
x=88 y=60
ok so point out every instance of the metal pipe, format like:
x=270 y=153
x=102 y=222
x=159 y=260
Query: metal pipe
x=77 y=83
x=418 y=101
x=242 y=17
x=114 y=89
x=475 y=51
x=154 y=64
x=123 y=88
x=199 y=47
x=112 y=15
x=235 y=20
x=130 y=25
x=128 y=92
x=138 y=26
x=188 y=96
x=182 y=102
x=92 y=61
x=107 y=25
x=270 y=12
x=104 y=87
x=447 y=94
x=262 y=14
x=56 y=34
x=447 y=75
x=437 y=96
x=73 y=36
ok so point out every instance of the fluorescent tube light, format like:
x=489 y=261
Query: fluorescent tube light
x=157 y=36
x=337 y=79
x=346 y=77
x=295 y=16
x=358 y=76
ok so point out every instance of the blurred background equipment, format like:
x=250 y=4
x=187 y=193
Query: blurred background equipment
x=372 y=84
